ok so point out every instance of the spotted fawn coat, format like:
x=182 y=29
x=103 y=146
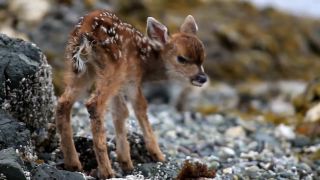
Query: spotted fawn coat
x=115 y=58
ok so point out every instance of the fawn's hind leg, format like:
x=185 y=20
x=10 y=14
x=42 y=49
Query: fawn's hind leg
x=75 y=87
x=106 y=88
x=119 y=115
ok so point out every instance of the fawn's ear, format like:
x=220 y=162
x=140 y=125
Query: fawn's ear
x=157 y=31
x=189 y=25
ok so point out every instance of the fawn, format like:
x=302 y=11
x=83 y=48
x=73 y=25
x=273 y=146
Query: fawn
x=115 y=58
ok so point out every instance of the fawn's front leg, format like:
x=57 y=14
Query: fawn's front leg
x=119 y=115
x=140 y=108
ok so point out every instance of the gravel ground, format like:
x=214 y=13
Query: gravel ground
x=234 y=147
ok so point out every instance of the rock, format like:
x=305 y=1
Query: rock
x=288 y=175
x=13 y=133
x=26 y=9
x=301 y=141
x=10 y=165
x=167 y=170
x=45 y=171
x=266 y=138
x=235 y=132
x=227 y=170
x=253 y=172
x=306 y=102
x=26 y=89
x=139 y=153
x=227 y=152
x=313 y=114
x=303 y=169
x=251 y=155
x=314 y=40
x=280 y=107
x=286 y=132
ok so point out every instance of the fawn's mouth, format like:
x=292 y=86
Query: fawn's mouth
x=196 y=83
x=198 y=80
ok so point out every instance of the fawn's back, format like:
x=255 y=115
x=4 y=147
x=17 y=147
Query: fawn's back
x=101 y=38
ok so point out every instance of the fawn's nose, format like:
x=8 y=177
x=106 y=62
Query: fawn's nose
x=201 y=78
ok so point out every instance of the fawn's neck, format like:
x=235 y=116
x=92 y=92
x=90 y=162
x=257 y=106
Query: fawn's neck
x=153 y=66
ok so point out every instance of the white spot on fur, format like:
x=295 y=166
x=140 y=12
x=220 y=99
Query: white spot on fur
x=104 y=29
x=120 y=54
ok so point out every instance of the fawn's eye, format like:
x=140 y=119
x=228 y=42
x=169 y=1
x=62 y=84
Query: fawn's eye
x=182 y=60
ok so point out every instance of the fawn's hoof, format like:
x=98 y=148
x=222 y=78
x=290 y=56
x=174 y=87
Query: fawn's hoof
x=106 y=174
x=155 y=152
x=126 y=166
x=76 y=166
x=158 y=157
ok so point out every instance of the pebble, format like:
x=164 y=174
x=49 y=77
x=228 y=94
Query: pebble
x=235 y=132
x=227 y=170
x=234 y=147
x=286 y=132
x=227 y=152
x=253 y=172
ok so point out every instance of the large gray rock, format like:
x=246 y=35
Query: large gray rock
x=26 y=89
x=10 y=165
x=45 y=171
x=13 y=133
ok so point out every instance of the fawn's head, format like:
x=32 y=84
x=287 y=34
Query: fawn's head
x=182 y=53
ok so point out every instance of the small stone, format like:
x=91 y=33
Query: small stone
x=301 y=141
x=303 y=169
x=171 y=134
x=281 y=107
x=253 y=171
x=113 y=155
x=214 y=165
x=227 y=170
x=288 y=175
x=313 y=114
x=250 y=155
x=265 y=166
x=228 y=151
x=235 y=132
x=285 y=132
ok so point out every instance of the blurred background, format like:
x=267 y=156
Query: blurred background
x=263 y=56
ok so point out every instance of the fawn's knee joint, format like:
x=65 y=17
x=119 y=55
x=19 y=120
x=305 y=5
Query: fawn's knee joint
x=92 y=109
x=123 y=115
x=63 y=106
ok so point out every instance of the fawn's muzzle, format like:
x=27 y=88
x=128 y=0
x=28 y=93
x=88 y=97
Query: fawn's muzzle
x=199 y=79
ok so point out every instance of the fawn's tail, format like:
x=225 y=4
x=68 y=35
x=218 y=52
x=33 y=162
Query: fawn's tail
x=78 y=49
